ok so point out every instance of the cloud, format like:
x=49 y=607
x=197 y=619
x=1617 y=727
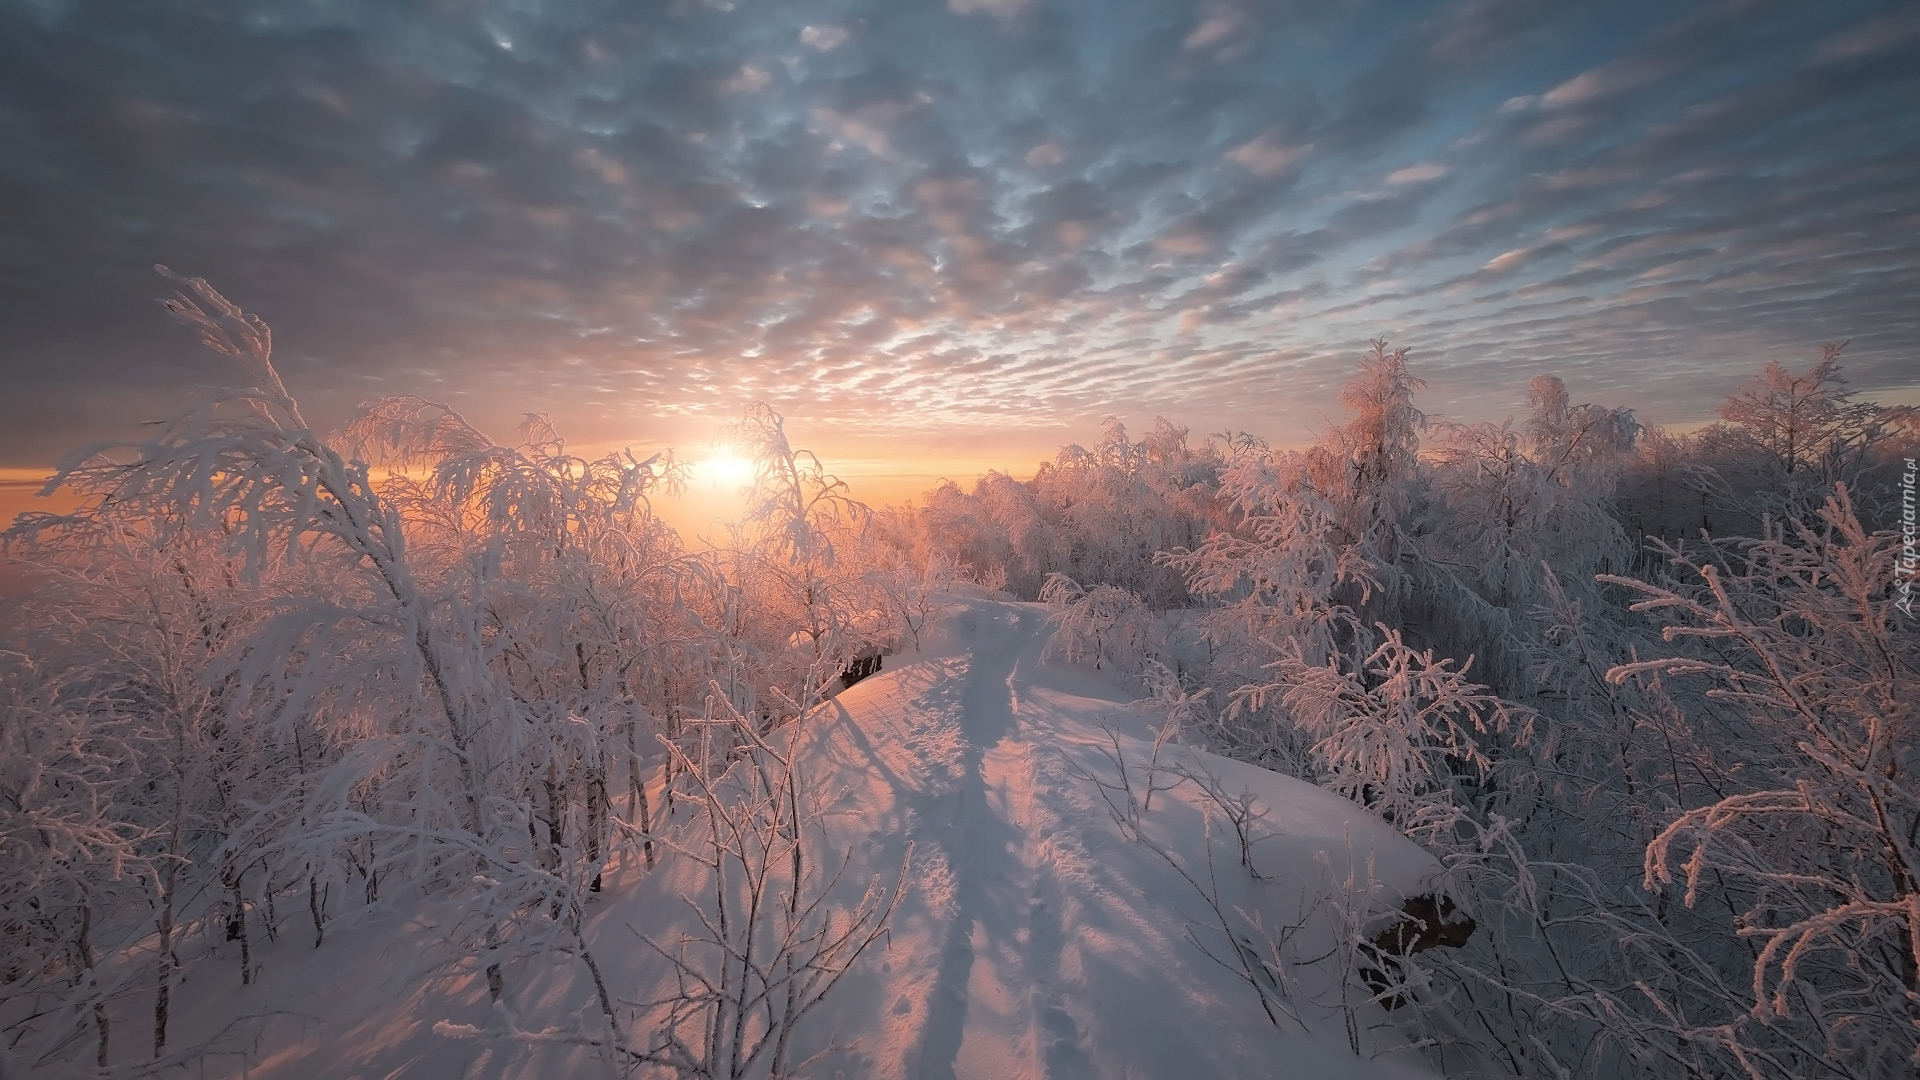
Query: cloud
x=1187 y=238
x=1608 y=81
x=1220 y=29
x=1268 y=156
x=1462 y=34
x=1877 y=36
x=823 y=38
x=867 y=126
x=745 y=81
x=1508 y=261
x=1046 y=155
x=1034 y=218
x=1419 y=174
x=1000 y=9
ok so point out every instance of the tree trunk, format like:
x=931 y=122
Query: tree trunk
x=83 y=959
x=642 y=813
x=237 y=927
x=596 y=813
x=317 y=907
x=164 y=979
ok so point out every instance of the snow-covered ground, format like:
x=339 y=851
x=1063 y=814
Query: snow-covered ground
x=1038 y=938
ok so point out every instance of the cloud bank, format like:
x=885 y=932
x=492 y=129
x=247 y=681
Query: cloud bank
x=929 y=229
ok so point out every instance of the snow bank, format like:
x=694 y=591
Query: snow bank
x=1049 y=928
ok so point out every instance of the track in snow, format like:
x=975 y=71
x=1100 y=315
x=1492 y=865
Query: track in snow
x=1039 y=942
x=999 y=1008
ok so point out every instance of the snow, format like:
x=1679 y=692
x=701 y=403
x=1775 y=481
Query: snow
x=1037 y=938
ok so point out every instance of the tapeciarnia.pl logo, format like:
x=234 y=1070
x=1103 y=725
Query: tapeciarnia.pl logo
x=1903 y=568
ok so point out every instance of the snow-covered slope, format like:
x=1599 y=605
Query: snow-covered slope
x=1037 y=938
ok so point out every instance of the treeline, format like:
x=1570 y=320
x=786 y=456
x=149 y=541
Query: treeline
x=1105 y=515
x=1646 y=694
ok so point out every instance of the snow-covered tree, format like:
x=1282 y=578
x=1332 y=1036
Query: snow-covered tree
x=799 y=518
x=1311 y=545
x=1394 y=732
x=1508 y=506
x=1814 y=832
x=1105 y=627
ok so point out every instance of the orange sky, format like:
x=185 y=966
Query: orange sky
x=697 y=513
x=17 y=493
x=874 y=481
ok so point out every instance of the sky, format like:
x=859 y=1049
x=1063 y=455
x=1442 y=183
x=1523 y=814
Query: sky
x=947 y=235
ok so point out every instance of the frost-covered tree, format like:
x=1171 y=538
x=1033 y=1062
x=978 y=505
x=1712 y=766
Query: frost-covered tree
x=799 y=520
x=974 y=535
x=312 y=670
x=1814 y=831
x=1784 y=440
x=68 y=859
x=1100 y=516
x=1105 y=627
x=1506 y=506
x=1310 y=546
x=1393 y=733
x=1376 y=450
x=1657 y=496
x=1799 y=421
x=277 y=674
x=570 y=574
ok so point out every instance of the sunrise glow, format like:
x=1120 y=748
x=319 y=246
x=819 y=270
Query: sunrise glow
x=723 y=472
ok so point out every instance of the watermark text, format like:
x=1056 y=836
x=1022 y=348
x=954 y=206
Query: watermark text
x=1905 y=565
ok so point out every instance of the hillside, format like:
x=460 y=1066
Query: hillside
x=1036 y=937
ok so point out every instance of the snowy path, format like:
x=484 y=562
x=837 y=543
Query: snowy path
x=1039 y=942
x=1036 y=939
x=999 y=1006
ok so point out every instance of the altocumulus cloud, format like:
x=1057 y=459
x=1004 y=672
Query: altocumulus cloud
x=917 y=220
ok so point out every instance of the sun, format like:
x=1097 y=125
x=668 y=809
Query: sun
x=725 y=471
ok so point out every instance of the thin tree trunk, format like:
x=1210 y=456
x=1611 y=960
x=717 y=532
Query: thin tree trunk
x=556 y=814
x=83 y=956
x=273 y=930
x=169 y=885
x=596 y=813
x=164 y=980
x=496 y=981
x=237 y=927
x=642 y=812
x=317 y=907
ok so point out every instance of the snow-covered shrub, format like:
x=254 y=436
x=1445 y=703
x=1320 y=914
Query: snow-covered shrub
x=1812 y=837
x=1105 y=626
x=773 y=944
x=1394 y=732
